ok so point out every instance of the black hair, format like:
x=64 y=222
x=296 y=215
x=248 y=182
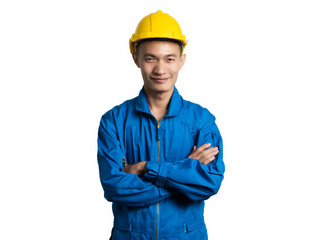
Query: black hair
x=159 y=39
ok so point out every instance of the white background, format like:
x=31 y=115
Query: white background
x=253 y=64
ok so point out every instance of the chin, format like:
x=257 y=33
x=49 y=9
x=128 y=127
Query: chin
x=163 y=89
x=159 y=88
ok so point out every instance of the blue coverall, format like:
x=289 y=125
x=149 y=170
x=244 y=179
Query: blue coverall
x=167 y=203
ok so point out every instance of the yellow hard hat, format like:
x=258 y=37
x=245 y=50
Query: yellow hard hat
x=157 y=25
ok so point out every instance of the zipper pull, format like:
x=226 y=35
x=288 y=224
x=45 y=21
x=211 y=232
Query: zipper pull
x=158 y=127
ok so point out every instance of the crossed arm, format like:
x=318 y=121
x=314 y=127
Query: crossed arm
x=205 y=154
x=197 y=177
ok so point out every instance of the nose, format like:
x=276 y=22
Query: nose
x=159 y=68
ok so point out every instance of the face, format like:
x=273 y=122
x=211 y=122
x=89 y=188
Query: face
x=160 y=63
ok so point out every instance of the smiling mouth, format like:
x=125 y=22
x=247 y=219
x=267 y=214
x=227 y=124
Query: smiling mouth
x=159 y=80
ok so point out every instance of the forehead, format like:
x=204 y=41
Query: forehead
x=159 y=48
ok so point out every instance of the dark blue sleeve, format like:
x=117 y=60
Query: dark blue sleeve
x=188 y=176
x=121 y=187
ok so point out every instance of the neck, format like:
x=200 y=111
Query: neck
x=158 y=103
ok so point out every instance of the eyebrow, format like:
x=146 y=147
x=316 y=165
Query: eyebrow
x=152 y=55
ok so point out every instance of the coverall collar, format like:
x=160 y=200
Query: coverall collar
x=175 y=105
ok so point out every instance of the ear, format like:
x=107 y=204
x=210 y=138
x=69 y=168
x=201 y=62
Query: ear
x=182 y=60
x=136 y=59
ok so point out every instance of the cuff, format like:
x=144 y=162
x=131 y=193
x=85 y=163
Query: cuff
x=157 y=172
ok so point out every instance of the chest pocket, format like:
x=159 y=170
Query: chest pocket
x=178 y=141
x=139 y=143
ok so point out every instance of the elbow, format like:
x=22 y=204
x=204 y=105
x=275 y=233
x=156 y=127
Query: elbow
x=215 y=185
x=205 y=192
x=115 y=197
x=210 y=191
x=126 y=196
x=112 y=192
x=109 y=194
x=110 y=197
x=214 y=190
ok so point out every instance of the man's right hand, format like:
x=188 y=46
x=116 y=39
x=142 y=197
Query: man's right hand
x=204 y=154
x=136 y=168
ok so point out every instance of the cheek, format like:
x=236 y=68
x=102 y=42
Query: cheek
x=174 y=69
x=146 y=69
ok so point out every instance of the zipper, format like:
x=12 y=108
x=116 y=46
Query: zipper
x=158 y=158
x=124 y=162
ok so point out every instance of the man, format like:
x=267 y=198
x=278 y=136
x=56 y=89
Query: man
x=159 y=156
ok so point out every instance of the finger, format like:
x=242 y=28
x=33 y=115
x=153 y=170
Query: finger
x=199 y=151
x=204 y=146
x=216 y=152
x=204 y=154
x=207 y=154
x=206 y=162
x=194 y=148
x=195 y=152
x=192 y=154
x=209 y=151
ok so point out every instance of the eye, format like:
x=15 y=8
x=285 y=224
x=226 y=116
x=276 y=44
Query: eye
x=149 y=59
x=170 y=59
